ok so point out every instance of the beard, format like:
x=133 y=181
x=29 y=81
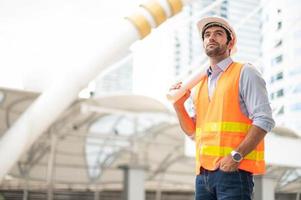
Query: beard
x=216 y=50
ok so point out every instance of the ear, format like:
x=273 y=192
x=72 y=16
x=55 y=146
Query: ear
x=231 y=44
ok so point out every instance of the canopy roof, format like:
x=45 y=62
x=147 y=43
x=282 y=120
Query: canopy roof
x=86 y=146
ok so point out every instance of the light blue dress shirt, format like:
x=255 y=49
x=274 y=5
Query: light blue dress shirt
x=253 y=96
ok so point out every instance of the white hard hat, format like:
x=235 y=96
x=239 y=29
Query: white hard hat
x=218 y=21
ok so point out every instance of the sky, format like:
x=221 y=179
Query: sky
x=40 y=39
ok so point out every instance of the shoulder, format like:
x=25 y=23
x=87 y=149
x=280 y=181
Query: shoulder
x=251 y=76
x=250 y=69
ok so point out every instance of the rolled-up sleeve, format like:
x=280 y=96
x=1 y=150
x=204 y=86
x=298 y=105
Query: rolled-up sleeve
x=254 y=97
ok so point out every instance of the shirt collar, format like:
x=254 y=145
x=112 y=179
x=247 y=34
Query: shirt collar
x=222 y=65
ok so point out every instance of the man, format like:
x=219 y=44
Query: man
x=233 y=115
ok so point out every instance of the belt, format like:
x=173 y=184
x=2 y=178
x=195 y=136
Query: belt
x=203 y=170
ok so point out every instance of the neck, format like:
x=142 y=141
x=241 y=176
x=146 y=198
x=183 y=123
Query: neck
x=214 y=60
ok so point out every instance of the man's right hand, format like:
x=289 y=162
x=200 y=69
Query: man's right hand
x=180 y=101
x=186 y=122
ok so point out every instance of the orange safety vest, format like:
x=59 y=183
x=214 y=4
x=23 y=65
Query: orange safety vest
x=220 y=124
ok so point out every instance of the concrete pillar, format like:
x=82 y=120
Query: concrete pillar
x=50 y=168
x=264 y=188
x=25 y=195
x=96 y=195
x=133 y=182
x=26 y=187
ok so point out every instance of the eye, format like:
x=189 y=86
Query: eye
x=206 y=35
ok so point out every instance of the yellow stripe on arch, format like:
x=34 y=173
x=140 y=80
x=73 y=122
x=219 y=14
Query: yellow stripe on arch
x=156 y=10
x=175 y=5
x=141 y=23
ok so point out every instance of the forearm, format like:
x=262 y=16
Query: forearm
x=252 y=88
x=186 y=122
x=254 y=136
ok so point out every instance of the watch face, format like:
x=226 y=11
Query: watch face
x=237 y=157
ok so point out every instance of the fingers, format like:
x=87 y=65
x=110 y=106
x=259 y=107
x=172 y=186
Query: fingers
x=181 y=100
x=226 y=164
x=187 y=94
x=228 y=169
x=176 y=86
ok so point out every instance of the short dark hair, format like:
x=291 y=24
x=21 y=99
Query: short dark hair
x=212 y=24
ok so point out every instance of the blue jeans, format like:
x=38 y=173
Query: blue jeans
x=220 y=185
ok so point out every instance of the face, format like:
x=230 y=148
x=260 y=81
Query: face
x=215 y=42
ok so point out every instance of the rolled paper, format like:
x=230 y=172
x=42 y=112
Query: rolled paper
x=188 y=84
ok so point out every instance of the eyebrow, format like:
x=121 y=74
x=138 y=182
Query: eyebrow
x=219 y=30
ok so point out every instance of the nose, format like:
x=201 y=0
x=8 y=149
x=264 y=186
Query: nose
x=211 y=37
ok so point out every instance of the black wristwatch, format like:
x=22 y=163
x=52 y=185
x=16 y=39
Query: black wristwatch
x=236 y=156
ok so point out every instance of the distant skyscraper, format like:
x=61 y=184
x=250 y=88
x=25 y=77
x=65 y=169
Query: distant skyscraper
x=282 y=55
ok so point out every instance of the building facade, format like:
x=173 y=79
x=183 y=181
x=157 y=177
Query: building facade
x=281 y=54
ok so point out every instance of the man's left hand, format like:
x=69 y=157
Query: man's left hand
x=227 y=164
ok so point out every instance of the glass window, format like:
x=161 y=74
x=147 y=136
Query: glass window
x=224 y=15
x=224 y=8
x=276 y=60
x=272 y=79
x=272 y=96
x=278 y=43
x=279 y=76
x=281 y=111
x=280 y=93
x=279 y=26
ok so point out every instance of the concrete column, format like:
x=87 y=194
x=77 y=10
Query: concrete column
x=25 y=194
x=50 y=167
x=96 y=195
x=26 y=187
x=264 y=188
x=133 y=182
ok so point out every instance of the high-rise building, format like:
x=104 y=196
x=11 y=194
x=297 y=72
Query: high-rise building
x=188 y=44
x=281 y=56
